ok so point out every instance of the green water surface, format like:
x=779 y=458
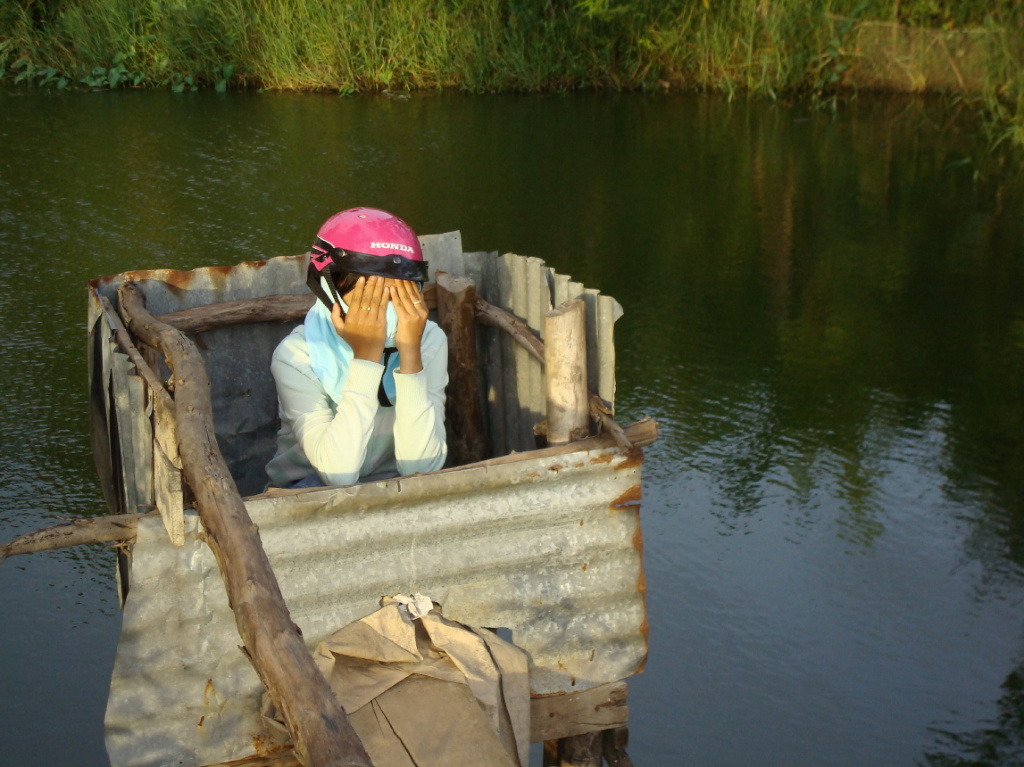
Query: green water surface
x=824 y=313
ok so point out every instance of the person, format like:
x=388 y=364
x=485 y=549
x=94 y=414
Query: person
x=361 y=382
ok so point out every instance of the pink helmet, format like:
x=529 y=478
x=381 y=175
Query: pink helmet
x=365 y=241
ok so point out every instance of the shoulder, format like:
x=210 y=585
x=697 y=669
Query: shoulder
x=292 y=348
x=292 y=353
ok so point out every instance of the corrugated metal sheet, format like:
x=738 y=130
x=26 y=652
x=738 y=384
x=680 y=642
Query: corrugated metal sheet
x=548 y=547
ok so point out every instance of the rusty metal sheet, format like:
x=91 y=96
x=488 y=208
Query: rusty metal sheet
x=546 y=547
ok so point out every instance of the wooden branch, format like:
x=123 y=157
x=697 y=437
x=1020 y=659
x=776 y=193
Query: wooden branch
x=600 y=411
x=247 y=310
x=495 y=316
x=278 y=308
x=273 y=643
x=112 y=528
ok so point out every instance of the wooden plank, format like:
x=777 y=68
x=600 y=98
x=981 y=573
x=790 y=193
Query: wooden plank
x=142 y=439
x=509 y=360
x=551 y=718
x=523 y=364
x=168 y=493
x=562 y=716
x=540 y=295
x=493 y=360
x=559 y=288
x=126 y=448
x=589 y=296
x=99 y=380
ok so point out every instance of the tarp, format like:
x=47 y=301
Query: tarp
x=421 y=690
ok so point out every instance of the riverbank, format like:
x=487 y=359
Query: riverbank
x=776 y=48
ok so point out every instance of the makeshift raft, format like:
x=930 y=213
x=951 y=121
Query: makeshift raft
x=540 y=542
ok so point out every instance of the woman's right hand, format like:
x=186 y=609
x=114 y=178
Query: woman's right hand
x=364 y=327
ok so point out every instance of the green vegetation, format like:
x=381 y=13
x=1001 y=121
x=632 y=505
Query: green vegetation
x=770 y=47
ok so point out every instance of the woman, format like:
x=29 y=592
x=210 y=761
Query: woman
x=360 y=384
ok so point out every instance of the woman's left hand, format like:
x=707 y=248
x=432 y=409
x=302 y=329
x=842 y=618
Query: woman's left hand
x=412 y=319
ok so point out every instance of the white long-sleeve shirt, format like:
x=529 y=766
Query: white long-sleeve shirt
x=358 y=438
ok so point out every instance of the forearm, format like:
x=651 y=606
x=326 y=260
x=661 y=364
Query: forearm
x=334 y=443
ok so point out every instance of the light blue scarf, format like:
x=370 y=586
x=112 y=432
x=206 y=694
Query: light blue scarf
x=330 y=355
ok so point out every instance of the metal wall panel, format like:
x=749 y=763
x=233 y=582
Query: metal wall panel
x=548 y=547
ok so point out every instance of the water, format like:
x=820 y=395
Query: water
x=825 y=314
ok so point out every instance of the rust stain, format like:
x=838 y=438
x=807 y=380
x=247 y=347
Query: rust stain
x=638 y=544
x=634 y=458
x=603 y=458
x=263 y=747
x=629 y=499
x=584 y=569
x=641 y=587
x=555 y=467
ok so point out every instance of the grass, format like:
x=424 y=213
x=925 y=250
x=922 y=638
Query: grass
x=770 y=47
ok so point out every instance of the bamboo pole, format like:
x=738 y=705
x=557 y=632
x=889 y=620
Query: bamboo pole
x=565 y=364
x=273 y=643
x=456 y=302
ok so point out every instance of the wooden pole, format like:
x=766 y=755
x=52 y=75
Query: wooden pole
x=119 y=528
x=495 y=316
x=565 y=362
x=456 y=313
x=580 y=750
x=318 y=725
x=615 y=742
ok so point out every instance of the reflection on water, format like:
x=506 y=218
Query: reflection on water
x=825 y=315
